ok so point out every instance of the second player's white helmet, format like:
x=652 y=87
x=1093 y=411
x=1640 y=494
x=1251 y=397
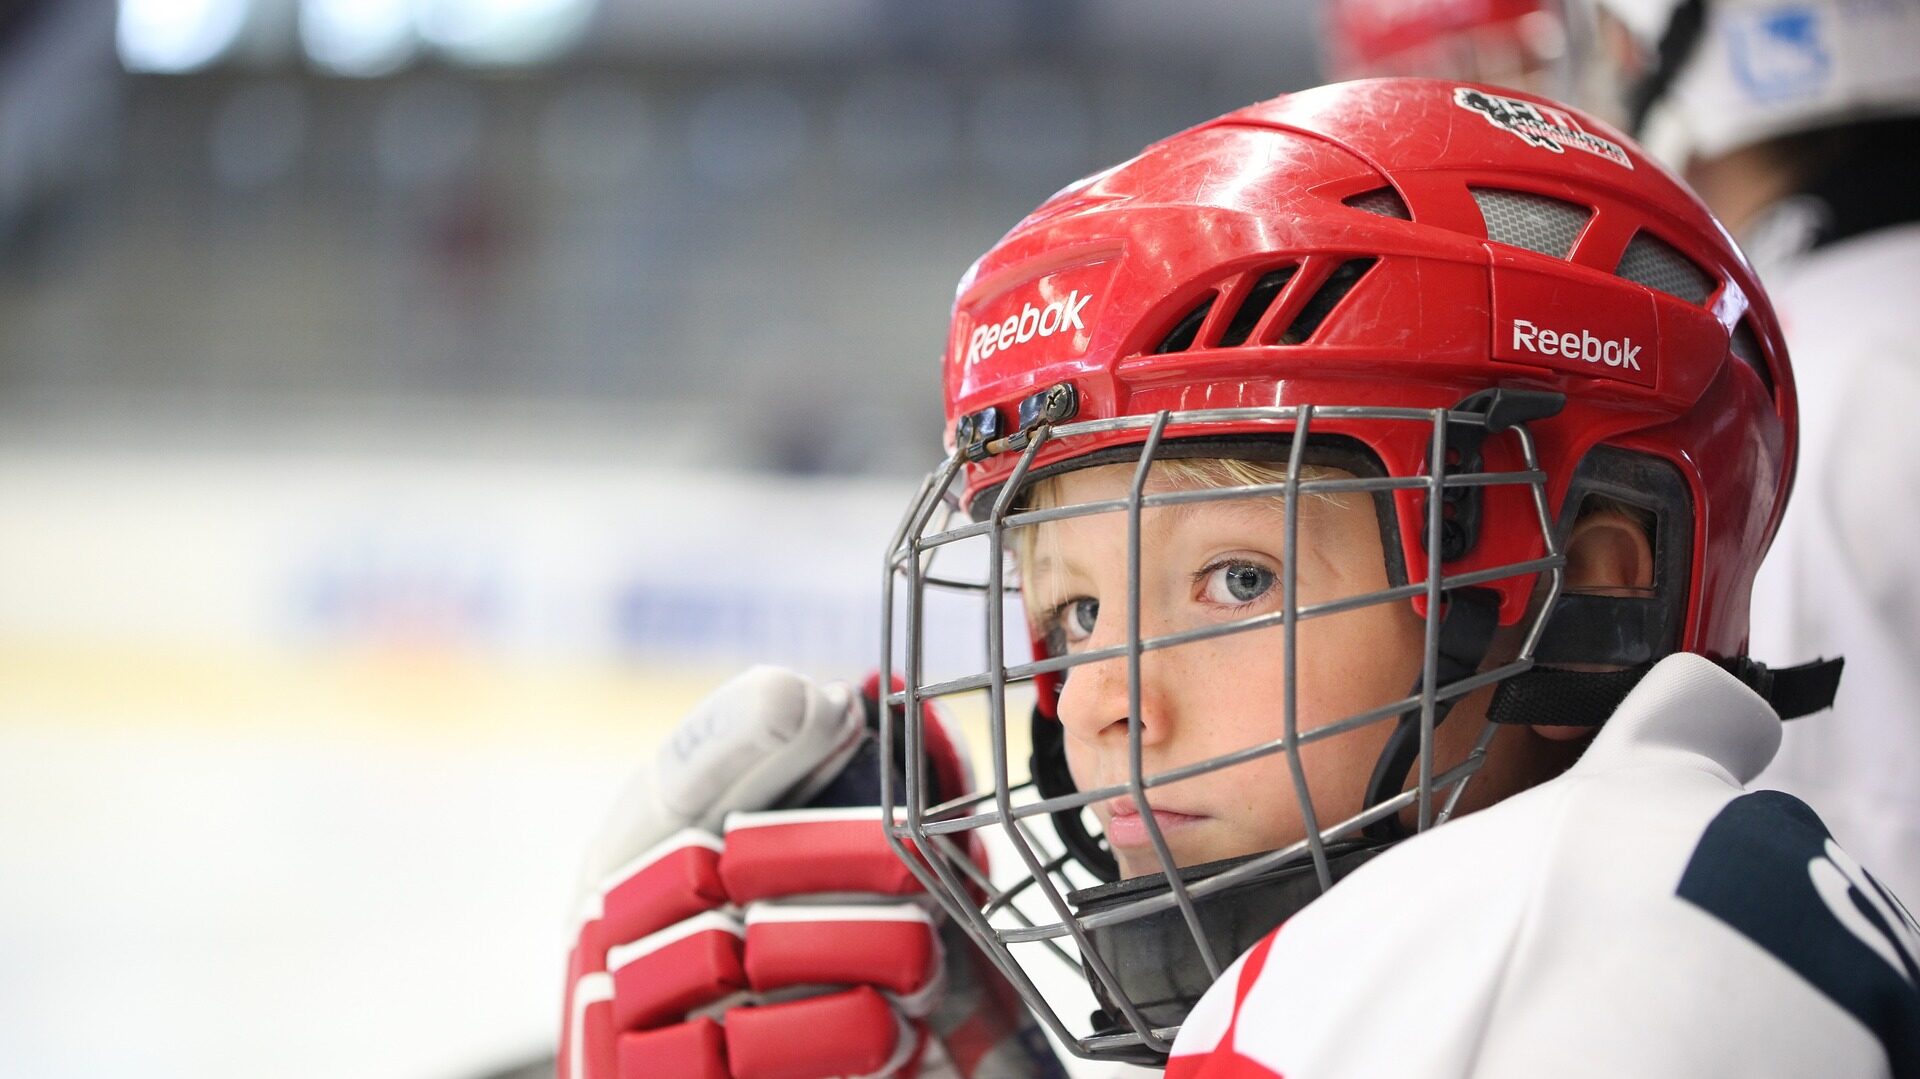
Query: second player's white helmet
x=1705 y=77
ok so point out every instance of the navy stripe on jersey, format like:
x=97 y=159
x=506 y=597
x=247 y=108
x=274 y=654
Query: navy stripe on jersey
x=1767 y=867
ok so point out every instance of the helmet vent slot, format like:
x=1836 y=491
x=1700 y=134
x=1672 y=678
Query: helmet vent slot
x=1654 y=263
x=1259 y=298
x=1180 y=338
x=1745 y=347
x=1535 y=222
x=1384 y=201
x=1321 y=303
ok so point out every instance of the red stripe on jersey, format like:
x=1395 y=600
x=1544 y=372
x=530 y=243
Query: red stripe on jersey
x=1219 y=1064
x=1224 y=1062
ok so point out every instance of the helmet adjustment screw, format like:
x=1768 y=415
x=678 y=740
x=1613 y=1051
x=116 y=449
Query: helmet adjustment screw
x=1057 y=403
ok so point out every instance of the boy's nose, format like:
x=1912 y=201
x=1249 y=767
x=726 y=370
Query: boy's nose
x=1095 y=702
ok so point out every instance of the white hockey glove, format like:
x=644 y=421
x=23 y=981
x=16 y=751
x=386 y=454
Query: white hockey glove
x=741 y=920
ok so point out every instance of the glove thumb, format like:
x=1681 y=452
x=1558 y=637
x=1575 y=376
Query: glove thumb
x=767 y=737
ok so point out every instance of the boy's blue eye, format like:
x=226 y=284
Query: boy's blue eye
x=1078 y=616
x=1237 y=583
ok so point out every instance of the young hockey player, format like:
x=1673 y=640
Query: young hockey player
x=1386 y=455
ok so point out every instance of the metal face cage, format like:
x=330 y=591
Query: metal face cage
x=1122 y=938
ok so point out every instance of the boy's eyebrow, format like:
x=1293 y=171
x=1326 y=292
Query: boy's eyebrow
x=1262 y=507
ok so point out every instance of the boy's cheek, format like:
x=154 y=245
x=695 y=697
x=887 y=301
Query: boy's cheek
x=1085 y=776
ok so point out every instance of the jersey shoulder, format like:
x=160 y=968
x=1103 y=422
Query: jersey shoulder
x=1726 y=934
x=1659 y=921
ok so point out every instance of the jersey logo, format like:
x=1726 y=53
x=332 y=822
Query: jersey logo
x=1768 y=869
x=1538 y=125
x=1867 y=910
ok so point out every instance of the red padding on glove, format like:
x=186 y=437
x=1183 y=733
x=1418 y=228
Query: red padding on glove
x=806 y=851
x=659 y=982
x=672 y=882
x=694 y=1050
x=850 y=1033
x=892 y=947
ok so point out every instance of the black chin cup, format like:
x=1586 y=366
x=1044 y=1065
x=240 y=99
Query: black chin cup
x=1155 y=958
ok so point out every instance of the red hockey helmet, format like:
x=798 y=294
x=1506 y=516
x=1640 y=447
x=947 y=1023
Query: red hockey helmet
x=1401 y=242
x=1496 y=306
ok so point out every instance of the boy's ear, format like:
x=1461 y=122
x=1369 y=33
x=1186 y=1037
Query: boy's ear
x=1609 y=552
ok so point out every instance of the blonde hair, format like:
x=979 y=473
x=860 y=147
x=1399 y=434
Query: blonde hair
x=1179 y=473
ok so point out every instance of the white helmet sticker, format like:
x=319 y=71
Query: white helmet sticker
x=1538 y=125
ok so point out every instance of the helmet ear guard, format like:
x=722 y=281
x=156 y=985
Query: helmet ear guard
x=1625 y=631
x=1632 y=633
x=1582 y=628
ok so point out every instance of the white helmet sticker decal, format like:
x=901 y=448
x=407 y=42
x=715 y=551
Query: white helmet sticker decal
x=1538 y=125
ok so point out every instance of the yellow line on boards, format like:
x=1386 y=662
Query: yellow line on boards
x=412 y=694
x=419 y=696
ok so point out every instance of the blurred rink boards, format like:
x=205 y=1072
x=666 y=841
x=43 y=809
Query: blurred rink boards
x=298 y=756
x=388 y=425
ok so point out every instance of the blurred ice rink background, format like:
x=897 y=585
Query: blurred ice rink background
x=409 y=407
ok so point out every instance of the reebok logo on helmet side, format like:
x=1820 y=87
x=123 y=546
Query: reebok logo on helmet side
x=1032 y=322
x=1552 y=320
x=1576 y=346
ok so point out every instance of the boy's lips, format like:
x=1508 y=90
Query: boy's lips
x=1126 y=827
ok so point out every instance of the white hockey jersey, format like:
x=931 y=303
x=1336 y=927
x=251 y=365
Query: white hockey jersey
x=1641 y=915
x=1839 y=579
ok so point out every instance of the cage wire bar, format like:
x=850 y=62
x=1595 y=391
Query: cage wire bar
x=1290 y=719
x=997 y=732
x=1556 y=579
x=924 y=839
x=1430 y=663
x=1135 y=784
x=931 y=870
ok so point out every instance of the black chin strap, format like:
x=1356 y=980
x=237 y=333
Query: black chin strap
x=1554 y=697
x=1466 y=632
